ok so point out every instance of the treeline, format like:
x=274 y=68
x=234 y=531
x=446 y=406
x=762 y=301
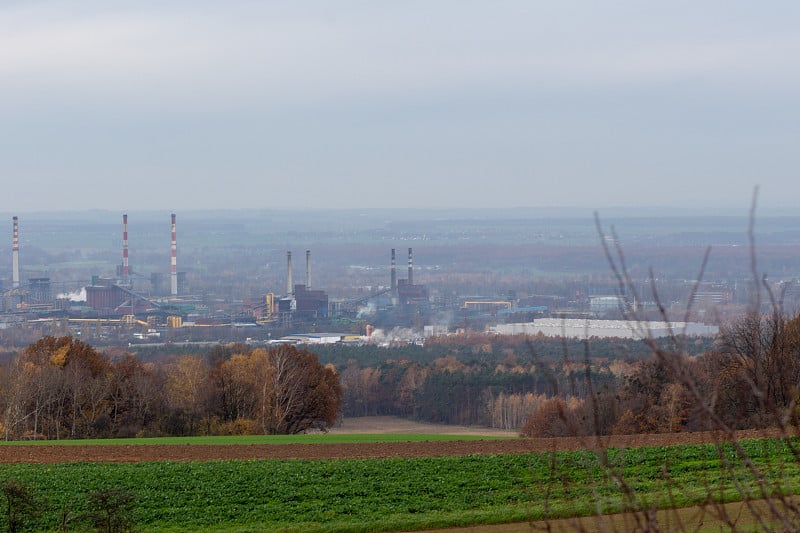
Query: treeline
x=449 y=391
x=747 y=378
x=751 y=379
x=485 y=348
x=482 y=379
x=63 y=388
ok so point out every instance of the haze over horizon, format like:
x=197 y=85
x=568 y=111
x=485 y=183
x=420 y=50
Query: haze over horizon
x=453 y=104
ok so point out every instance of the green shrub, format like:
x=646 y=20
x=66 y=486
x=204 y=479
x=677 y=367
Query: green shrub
x=21 y=504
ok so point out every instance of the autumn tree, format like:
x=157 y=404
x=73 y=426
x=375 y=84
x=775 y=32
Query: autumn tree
x=56 y=387
x=412 y=380
x=362 y=389
x=511 y=411
x=301 y=393
x=186 y=389
x=62 y=387
x=766 y=352
x=554 y=417
x=238 y=386
x=277 y=390
x=136 y=397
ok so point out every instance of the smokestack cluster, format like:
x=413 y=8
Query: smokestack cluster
x=125 y=247
x=15 y=256
x=410 y=268
x=394 y=273
x=308 y=269
x=289 y=286
x=173 y=281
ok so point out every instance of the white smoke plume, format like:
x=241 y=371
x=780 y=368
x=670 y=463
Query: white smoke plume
x=366 y=310
x=396 y=335
x=77 y=296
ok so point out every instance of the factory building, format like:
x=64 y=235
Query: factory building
x=410 y=301
x=606 y=304
x=407 y=292
x=114 y=297
x=586 y=329
x=301 y=301
x=109 y=298
x=310 y=303
x=103 y=295
x=40 y=291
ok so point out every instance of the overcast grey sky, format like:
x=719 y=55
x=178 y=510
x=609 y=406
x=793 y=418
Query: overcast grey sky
x=435 y=103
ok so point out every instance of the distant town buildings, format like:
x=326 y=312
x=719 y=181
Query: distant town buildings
x=114 y=300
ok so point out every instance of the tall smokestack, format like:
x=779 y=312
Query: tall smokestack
x=394 y=273
x=289 y=287
x=410 y=268
x=125 y=247
x=15 y=256
x=173 y=279
x=308 y=269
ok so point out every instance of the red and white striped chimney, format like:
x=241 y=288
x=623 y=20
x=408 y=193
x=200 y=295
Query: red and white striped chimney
x=410 y=268
x=394 y=273
x=174 y=261
x=15 y=256
x=125 y=271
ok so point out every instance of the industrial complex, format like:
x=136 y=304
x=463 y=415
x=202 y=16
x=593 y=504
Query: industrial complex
x=129 y=306
x=135 y=307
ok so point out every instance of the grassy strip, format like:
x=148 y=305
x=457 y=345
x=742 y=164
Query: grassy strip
x=398 y=494
x=316 y=438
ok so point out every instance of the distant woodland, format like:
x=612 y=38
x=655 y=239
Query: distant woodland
x=747 y=378
x=64 y=388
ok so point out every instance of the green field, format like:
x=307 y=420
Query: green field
x=314 y=438
x=397 y=494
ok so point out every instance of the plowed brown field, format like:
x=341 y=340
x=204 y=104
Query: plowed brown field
x=43 y=453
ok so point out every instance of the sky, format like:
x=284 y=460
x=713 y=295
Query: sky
x=426 y=104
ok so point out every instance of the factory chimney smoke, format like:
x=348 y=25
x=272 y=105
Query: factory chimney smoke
x=15 y=256
x=394 y=273
x=289 y=287
x=410 y=268
x=125 y=271
x=173 y=278
x=308 y=269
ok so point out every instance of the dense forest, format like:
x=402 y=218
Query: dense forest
x=63 y=388
x=746 y=378
x=483 y=379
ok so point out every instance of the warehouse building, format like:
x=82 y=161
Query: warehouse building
x=625 y=329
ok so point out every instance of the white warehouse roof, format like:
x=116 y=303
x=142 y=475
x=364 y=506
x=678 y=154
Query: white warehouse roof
x=627 y=329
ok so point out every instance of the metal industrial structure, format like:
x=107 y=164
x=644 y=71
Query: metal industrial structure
x=409 y=294
x=301 y=302
x=134 y=306
x=402 y=303
x=116 y=297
